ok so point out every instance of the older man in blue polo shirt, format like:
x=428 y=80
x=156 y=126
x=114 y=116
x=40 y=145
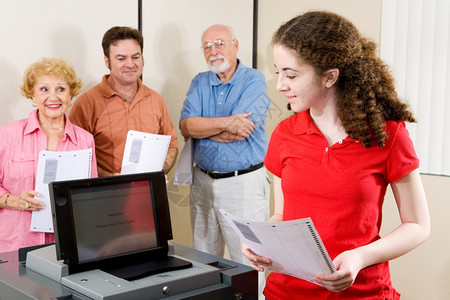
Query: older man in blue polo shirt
x=225 y=113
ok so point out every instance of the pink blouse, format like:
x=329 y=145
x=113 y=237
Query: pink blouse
x=20 y=144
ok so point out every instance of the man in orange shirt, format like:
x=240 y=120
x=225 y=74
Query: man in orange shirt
x=121 y=102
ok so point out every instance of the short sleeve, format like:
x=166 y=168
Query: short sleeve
x=192 y=104
x=253 y=98
x=402 y=158
x=273 y=160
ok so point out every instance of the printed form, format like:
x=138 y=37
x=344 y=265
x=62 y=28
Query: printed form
x=144 y=152
x=294 y=247
x=183 y=172
x=57 y=166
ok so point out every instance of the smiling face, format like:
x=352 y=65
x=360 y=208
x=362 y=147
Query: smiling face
x=299 y=82
x=52 y=96
x=125 y=62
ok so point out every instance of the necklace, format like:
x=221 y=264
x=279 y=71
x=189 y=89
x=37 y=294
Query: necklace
x=54 y=128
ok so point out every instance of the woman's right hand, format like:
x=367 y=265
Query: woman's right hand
x=257 y=262
x=24 y=201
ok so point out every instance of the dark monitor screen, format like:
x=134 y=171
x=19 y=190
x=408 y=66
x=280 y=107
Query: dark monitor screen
x=111 y=221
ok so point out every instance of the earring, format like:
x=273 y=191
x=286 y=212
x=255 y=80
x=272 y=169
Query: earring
x=34 y=104
x=288 y=106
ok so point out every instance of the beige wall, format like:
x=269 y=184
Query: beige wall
x=421 y=274
x=70 y=33
x=424 y=273
x=271 y=14
x=69 y=29
x=173 y=57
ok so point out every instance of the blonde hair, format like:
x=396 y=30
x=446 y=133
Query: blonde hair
x=50 y=66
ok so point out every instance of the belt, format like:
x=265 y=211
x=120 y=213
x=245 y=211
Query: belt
x=220 y=175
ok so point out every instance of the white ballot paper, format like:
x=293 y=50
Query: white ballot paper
x=144 y=152
x=294 y=247
x=183 y=173
x=57 y=166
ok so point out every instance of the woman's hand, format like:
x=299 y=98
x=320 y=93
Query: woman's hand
x=348 y=264
x=24 y=201
x=257 y=262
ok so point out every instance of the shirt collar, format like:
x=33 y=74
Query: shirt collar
x=214 y=79
x=33 y=122
x=33 y=125
x=306 y=125
x=109 y=92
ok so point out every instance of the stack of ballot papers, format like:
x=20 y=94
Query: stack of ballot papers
x=294 y=247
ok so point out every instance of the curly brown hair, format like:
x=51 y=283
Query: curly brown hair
x=365 y=87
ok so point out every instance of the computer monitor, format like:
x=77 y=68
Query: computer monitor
x=120 y=224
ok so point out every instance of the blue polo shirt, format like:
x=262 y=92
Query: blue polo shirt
x=209 y=97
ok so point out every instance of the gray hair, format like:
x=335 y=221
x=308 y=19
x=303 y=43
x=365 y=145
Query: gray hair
x=228 y=27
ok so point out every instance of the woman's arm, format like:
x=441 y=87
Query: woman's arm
x=413 y=231
x=279 y=200
x=258 y=262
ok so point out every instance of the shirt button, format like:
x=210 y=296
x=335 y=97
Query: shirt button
x=326 y=149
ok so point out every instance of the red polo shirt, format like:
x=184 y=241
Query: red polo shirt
x=342 y=188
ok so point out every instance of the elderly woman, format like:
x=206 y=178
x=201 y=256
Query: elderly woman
x=51 y=84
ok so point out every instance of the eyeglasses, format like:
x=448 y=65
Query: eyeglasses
x=218 y=44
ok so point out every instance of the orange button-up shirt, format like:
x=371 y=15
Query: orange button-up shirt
x=108 y=116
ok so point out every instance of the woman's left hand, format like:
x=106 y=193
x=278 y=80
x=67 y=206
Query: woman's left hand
x=257 y=262
x=348 y=264
x=25 y=201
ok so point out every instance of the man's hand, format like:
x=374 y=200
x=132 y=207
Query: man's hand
x=226 y=137
x=240 y=126
x=222 y=129
x=104 y=173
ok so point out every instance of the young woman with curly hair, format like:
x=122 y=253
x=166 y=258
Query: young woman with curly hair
x=334 y=159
